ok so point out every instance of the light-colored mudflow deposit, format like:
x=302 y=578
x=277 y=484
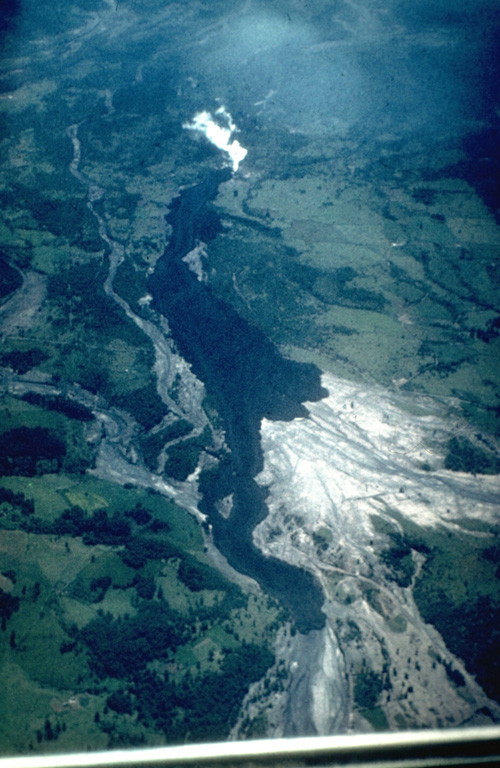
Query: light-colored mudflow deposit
x=363 y=462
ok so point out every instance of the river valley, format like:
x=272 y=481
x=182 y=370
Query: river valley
x=258 y=243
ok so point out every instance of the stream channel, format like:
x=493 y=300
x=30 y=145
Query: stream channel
x=248 y=379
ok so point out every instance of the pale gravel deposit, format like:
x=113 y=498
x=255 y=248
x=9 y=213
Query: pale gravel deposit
x=360 y=453
x=19 y=312
x=362 y=448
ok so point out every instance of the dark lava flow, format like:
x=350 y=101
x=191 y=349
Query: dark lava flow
x=248 y=379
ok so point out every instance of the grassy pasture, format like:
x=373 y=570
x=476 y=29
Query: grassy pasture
x=56 y=702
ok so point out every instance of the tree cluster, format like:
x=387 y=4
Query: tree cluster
x=50 y=732
x=23 y=361
x=399 y=559
x=120 y=702
x=140 y=515
x=205 y=707
x=98 y=528
x=19 y=500
x=139 y=549
x=492 y=331
x=463 y=456
x=10 y=278
x=8 y=605
x=29 y=452
x=144 y=404
x=122 y=646
x=100 y=586
x=68 y=217
x=61 y=405
x=113 y=529
x=197 y=576
x=367 y=688
x=471 y=631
